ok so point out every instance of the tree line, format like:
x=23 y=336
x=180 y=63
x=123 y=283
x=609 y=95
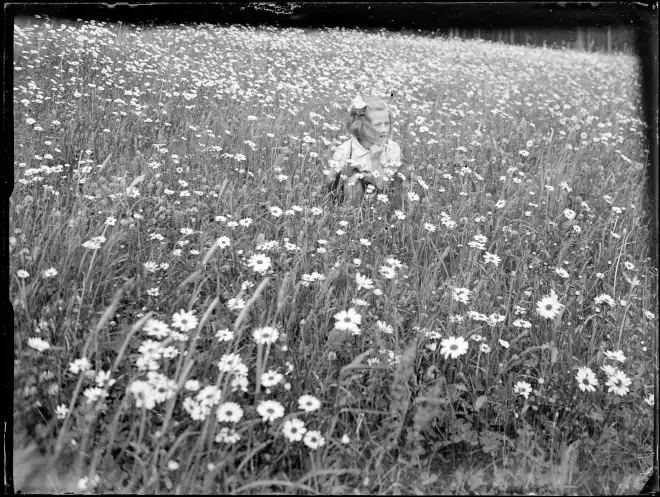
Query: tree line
x=611 y=39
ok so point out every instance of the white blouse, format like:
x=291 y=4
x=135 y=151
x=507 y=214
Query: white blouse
x=351 y=152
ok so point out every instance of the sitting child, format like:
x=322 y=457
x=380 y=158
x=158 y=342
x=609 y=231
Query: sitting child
x=369 y=161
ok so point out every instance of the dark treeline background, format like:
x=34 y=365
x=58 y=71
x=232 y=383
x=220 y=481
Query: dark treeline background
x=607 y=27
x=603 y=39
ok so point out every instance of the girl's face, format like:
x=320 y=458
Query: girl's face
x=380 y=122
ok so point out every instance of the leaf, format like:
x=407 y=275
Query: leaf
x=554 y=352
x=456 y=387
x=429 y=480
x=596 y=415
x=475 y=481
x=479 y=402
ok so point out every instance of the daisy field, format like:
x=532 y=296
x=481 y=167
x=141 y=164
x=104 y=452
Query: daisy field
x=191 y=315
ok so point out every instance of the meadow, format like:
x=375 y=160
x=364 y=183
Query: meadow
x=193 y=316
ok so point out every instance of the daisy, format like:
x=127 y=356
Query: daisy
x=650 y=400
x=22 y=273
x=521 y=323
x=383 y=327
x=80 y=365
x=192 y=385
x=224 y=335
x=103 y=378
x=461 y=295
x=235 y=304
x=239 y=383
x=229 y=412
x=429 y=227
x=492 y=258
x=156 y=328
x=308 y=403
x=265 y=335
x=259 y=263
x=313 y=439
x=586 y=379
x=143 y=393
x=94 y=393
x=61 y=411
x=548 y=307
x=151 y=266
x=395 y=263
x=223 y=242
x=270 y=410
x=412 y=197
x=50 y=272
x=569 y=214
x=477 y=245
x=454 y=347
x=609 y=370
x=629 y=265
x=387 y=272
x=184 y=321
x=229 y=363
x=522 y=388
x=227 y=435
x=617 y=356
x=561 y=272
x=365 y=242
x=91 y=245
x=271 y=378
x=604 y=298
x=294 y=429
x=348 y=320
x=485 y=348
x=363 y=282
x=619 y=383
x=275 y=211
x=38 y=344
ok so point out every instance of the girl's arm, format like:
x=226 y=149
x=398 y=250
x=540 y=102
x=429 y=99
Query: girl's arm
x=336 y=164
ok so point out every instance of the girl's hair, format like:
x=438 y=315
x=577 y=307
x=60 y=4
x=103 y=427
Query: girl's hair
x=357 y=122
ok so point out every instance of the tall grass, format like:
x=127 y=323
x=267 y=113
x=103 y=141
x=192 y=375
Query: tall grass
x=195 y=152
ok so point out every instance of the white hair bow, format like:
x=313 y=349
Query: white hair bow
x=358 y=103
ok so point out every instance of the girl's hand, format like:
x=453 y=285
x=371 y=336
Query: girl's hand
x=376 y=151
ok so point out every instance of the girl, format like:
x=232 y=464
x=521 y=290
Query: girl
x=369 y=161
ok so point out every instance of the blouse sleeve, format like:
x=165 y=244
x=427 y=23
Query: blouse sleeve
x=338 y=161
